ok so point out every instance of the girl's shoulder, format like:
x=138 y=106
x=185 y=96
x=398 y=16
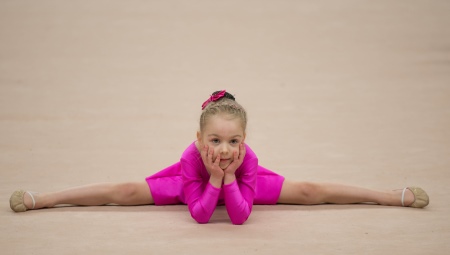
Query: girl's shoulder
x=192 y=153
x=249 y=164
x=249 y=153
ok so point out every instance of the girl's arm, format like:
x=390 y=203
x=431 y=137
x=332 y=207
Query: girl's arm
x=240 y=193
x=201 y=198
x=239 y=184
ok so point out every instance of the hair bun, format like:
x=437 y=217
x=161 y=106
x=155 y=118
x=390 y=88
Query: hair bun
x=227 y=95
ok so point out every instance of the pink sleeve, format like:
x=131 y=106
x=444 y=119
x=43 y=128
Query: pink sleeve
x=239 y=194
x=201 y=198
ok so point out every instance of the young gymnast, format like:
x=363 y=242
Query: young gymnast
x=218 y=169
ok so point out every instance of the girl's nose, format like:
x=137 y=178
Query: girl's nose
x=224 y=149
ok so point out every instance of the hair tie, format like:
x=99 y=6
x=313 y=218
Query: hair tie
x=213 y=98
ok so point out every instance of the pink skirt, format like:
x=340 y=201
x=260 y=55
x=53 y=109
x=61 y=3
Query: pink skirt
x=166 y=186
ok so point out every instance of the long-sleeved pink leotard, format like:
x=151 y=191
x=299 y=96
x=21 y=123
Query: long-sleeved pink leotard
x=187 y=182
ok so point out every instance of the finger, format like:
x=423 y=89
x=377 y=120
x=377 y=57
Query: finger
x=242 y=151
x=217 y=160
x=210 y=155
x=204 y=152
x=236 y=162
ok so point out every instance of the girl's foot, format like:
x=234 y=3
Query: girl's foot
x=406 y=198
x=411 y=197
x=22 y=201
x=420 y=197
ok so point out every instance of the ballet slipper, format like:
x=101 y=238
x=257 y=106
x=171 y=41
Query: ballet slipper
x=421 y=198
x=16 y=201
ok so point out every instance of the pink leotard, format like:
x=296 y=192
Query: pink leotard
x=187 y=182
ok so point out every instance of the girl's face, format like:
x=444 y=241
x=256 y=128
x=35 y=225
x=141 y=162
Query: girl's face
x=224 y=134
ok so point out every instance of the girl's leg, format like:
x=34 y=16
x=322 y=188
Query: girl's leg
x=132 y=193
x=308 y=193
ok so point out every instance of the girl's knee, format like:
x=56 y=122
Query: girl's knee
x=132 y=193
x=310 y=193
x=125 y=191
x=300 y=193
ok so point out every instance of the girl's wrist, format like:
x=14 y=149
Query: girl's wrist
x=215 y=181
x=229 y=178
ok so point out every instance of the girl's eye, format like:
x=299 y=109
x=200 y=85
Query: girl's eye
x=215 y=141
x=234 y=141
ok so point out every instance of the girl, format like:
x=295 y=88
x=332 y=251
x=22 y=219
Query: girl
x=218 y=168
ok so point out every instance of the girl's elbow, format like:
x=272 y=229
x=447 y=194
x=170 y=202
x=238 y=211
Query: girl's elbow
x=199 y=214
x=201 y=221
x=199 y=218
x=238 y=221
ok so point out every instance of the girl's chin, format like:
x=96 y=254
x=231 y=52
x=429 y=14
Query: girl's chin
x=224 y=165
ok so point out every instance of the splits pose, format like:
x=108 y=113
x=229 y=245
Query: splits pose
x=217 y=169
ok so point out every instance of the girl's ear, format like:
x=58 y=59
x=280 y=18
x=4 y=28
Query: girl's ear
x=199 y=136
x=245 y=135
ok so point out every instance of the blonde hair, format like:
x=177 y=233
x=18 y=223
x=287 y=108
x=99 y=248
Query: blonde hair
x=224 y=105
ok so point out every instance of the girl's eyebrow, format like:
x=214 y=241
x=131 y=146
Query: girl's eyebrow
x=219 y=135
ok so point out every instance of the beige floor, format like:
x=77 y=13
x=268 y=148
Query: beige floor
x=355 y=92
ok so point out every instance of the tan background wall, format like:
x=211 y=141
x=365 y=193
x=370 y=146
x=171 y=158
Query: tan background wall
x=354 y=92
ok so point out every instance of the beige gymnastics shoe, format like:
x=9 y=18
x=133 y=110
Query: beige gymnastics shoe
x=16 y=201
x=421 y=198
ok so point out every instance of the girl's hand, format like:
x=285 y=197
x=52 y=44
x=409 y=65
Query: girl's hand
x=213 y=167
x=237 y=161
